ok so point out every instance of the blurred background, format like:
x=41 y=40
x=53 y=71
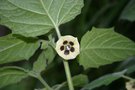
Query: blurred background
x=97 y=13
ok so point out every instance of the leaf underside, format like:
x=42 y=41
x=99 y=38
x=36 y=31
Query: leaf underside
x=10 y=76
x=37 y=17
x=13 y=49
x=104 y=80
x=129 y=11
x=44 y=59
x=104 y=46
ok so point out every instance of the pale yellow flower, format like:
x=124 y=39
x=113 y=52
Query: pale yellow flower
x=68 y=47
x=130 y=85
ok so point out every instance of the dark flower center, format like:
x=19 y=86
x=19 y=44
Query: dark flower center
x=67 y=47
x=66 y=52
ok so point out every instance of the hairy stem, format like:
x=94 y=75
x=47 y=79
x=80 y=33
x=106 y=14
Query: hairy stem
x=68 y=74
x=128 y=78
x=58 y=31
x=66 y=66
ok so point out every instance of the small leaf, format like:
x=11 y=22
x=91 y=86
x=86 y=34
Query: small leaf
x=50 y=54
x=44 y=44
x=10 y=76
x=80 y=80
x=40 y=64
x=104 y=80
x=45 y=58
x=129 y=11
x=13 y=49
x=104 y=46
x=37 y=17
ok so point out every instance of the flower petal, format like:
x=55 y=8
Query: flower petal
x=68 y=40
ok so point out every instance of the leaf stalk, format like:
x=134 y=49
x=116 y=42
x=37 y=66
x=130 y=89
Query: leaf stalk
x=44 y=82
x=128 y=78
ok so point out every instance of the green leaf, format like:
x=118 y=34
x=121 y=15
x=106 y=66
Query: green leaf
x=104 y=80
x=10 y=76
x=129 y=11
x=25 y=84
x=104 y=46
x=41 y=89
x=80 y=80
x=36 y=17
x=45 y=58
x=130 y=69
x=44 y=44
x=13 y=49
x=128 y=64
x=40 y=64
x=50 y=54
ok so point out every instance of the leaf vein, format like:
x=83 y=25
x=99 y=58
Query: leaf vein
x=101 y=35
x=11 y=46
x=60 y=11
x=67 y=13
x=91 y=59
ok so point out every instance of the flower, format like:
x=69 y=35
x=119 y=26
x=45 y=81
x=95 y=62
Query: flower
x=130 y=85
x=68 y=47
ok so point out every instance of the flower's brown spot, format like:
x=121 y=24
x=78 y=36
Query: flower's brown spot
x=72 y=49
x=66 y=52
x=65 y=42
x=71 y=43
x=62 y=48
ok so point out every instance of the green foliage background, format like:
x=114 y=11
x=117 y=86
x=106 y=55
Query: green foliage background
x=119 y=14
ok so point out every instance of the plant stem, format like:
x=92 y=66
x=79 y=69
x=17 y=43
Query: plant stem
x=58 y=31
x=44 y=82
x=68 y=74
x=66 y=65
x=128 y=78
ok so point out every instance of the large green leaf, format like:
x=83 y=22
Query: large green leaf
x=13 y=49
x=45 y=58
x=10 y=76
x=104 y=80
x=104 y=46
x=129 y=11
x=37 y=17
